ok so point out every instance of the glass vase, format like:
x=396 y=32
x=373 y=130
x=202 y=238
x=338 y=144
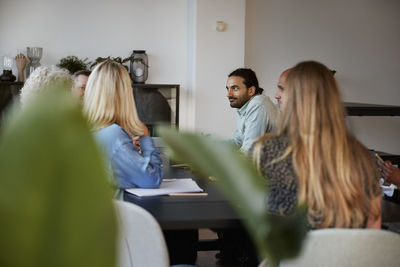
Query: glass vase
x=34 y=54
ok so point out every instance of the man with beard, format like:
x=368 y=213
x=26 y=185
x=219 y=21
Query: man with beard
x=257 y=114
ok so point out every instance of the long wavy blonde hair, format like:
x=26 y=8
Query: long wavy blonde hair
x=109 y=99
x=337 y=175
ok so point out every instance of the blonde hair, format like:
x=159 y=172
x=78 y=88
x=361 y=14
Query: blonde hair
x=41 y=79
x=109 y=99
x=337 y=175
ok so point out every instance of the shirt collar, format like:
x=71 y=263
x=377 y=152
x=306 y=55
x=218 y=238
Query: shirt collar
x=243 y=109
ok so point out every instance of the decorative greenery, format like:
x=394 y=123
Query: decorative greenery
x=131 y=58
x=120 y=60
x=49 y=164
x=74 y=64
x=116 y=59
x=276 y=237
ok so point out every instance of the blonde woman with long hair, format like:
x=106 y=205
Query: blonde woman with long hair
x=110 y=107
x=314 y=159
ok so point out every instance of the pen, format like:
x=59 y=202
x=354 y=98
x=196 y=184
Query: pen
x=188 y=194
x=169 y=180
x=378 y=157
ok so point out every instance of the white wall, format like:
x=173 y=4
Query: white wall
x=178 y=35
x=359 y=38
x=217 y=54
x=91 y=28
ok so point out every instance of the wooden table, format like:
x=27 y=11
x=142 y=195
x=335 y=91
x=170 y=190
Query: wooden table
x=193 y=212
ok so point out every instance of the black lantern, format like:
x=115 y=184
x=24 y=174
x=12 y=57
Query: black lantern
x=139 y=66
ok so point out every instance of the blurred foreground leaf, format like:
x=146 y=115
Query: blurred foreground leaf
x=276 y=237
x=55 y=202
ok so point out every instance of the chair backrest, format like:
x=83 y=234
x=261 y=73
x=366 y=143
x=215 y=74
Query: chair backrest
x=141 y=241
x=348 y=247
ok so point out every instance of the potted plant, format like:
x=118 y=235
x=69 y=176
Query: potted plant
x=49 y=162
x=116 y=59
x=73 y=64
x=120 y=60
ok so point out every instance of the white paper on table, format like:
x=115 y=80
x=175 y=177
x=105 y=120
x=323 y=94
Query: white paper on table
x=387 y=190
x=168 y=186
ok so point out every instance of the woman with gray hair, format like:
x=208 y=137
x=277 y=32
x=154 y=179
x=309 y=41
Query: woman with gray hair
x=42 y=78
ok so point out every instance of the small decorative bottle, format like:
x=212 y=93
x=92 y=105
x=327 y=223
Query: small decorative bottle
x=139 y=66
x=7 y=75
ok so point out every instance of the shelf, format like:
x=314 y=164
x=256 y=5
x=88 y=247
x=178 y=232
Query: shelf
x=362 y=109
x=146 y=85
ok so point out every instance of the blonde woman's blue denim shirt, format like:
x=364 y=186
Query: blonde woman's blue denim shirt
x=131 y=168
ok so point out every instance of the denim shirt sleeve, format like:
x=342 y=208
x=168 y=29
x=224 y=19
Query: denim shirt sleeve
x=132 y=169
x=135 y=170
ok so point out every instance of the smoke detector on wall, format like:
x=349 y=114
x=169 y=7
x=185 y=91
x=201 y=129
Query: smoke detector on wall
x=220 y=26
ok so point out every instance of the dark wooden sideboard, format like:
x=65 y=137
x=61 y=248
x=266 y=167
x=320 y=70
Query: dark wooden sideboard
x=9 y=92
x=157 y=103
x=361 y=109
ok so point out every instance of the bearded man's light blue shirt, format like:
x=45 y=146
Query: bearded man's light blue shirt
x=254 y=119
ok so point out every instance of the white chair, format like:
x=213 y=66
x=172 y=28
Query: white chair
x=141 y=241
x=348 y=247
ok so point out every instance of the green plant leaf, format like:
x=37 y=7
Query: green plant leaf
x=73 y=64
x=55 y=200
x=116 y=59
x=276 y=237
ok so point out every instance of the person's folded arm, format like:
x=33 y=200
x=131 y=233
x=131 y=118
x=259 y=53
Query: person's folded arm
x=391 y=173
x=138 y=170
